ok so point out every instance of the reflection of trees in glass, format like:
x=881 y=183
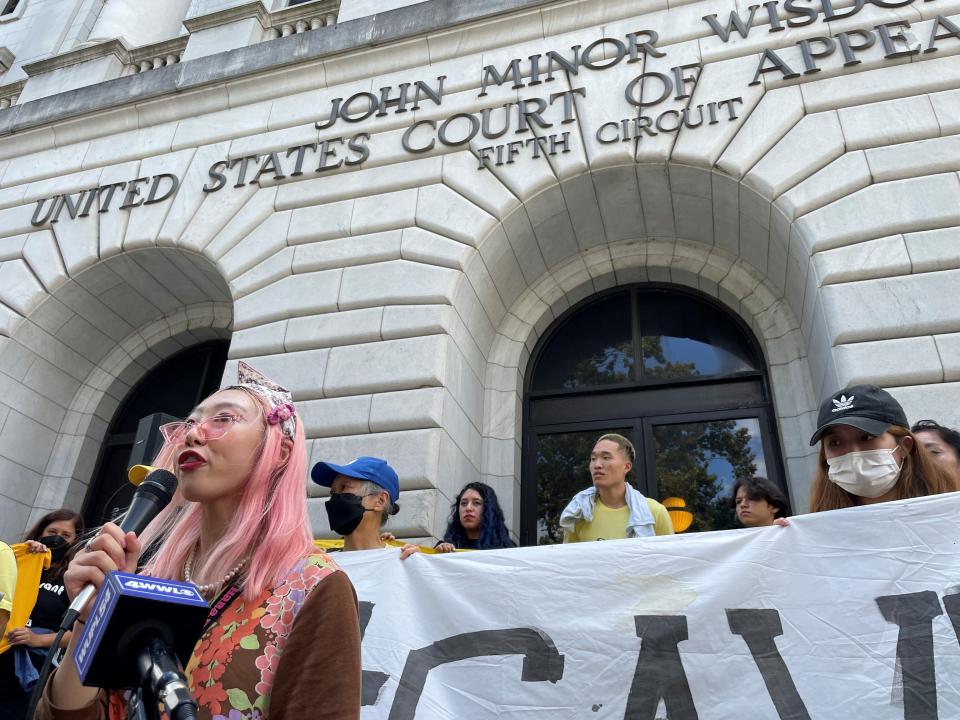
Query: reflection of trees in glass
x=655 y=363
x=683 y=454
x=614 y=364
x=611 y=365
x=563 y=461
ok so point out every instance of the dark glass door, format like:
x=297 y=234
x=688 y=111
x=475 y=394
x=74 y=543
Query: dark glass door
x=174 y=387
x=697 y=461
x=562 y=470
x=669 y=369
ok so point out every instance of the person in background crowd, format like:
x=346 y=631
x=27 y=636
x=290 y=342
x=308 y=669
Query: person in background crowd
x=57 y=531
x=941 y=442
x=612 y=508
x=8 y=583
x=476 y=521
x=363 y=496
x=758 y=502
x=237 y=528
x=868 y=455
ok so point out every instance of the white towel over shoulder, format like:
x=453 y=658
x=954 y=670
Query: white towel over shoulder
x=640 y=524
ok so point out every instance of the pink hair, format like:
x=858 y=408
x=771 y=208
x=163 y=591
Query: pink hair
x=270 y=528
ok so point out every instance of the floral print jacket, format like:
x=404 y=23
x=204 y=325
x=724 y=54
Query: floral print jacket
x=294 y=652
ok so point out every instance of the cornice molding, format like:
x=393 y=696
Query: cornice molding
x=10 y=92
x=117 y=47
x=248 y=10
x=174 y=46
x=74 y=57
x=304 y=11
x=382 y=29
x=258 y=10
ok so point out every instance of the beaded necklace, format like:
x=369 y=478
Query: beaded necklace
x=210 y=587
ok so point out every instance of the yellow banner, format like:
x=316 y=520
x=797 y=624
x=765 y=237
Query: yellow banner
x=338 y=545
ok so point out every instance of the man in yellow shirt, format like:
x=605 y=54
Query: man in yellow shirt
x=612 y=509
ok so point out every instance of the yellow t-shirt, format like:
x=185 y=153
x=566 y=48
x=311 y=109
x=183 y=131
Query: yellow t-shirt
x=8 y=577
x=610 y=524
x=29 y=568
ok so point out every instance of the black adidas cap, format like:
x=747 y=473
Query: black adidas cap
x=866 y=407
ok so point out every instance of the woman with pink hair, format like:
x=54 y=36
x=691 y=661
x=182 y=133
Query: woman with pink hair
x=282 y=639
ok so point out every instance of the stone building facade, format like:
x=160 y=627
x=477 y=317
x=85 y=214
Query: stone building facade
x=390 y=213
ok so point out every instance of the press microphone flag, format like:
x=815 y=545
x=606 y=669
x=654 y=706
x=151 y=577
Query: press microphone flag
x=129 y=610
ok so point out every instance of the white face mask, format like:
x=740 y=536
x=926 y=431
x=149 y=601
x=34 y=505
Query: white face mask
x=869 y=474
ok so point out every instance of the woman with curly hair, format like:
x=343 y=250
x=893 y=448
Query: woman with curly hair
x=476 y=521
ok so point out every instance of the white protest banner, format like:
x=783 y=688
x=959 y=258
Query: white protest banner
x=848 y=614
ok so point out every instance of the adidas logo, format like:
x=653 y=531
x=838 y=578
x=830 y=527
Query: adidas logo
x=844 y=403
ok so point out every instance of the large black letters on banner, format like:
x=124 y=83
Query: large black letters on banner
x=660 y=672
x=914 y=613
x=370 y=681
x=758 y=628
x=541 y=661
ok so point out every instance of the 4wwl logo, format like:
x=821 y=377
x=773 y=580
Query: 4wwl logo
x=844 y=403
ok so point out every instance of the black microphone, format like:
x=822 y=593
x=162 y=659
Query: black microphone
x=153 y=495
x=142 y=630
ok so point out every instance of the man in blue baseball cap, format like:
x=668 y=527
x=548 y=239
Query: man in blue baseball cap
x=363 y=495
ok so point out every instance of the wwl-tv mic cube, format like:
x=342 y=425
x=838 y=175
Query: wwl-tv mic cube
x=129 y=609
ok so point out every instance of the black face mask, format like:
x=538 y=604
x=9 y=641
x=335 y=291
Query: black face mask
x=58 y=546
x=345 y=511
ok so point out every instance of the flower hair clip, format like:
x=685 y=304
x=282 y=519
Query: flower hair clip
x=281 y=413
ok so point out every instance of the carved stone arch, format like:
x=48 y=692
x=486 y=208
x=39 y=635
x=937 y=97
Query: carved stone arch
x=618 y=225
x=88 y=305
x=102 y=393
x=76 y=351
x=732 y=282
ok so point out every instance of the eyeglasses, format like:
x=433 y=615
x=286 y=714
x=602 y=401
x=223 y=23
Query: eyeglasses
x=210 y=428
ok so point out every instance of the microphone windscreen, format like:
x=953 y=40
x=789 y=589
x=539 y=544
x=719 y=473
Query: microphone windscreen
x=164 y=479
x=152 y=496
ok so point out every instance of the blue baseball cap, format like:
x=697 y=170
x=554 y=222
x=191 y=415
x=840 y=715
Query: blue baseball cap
x=363 y=468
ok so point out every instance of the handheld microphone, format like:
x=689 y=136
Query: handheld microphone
x=153 y=495
x=147 y=644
